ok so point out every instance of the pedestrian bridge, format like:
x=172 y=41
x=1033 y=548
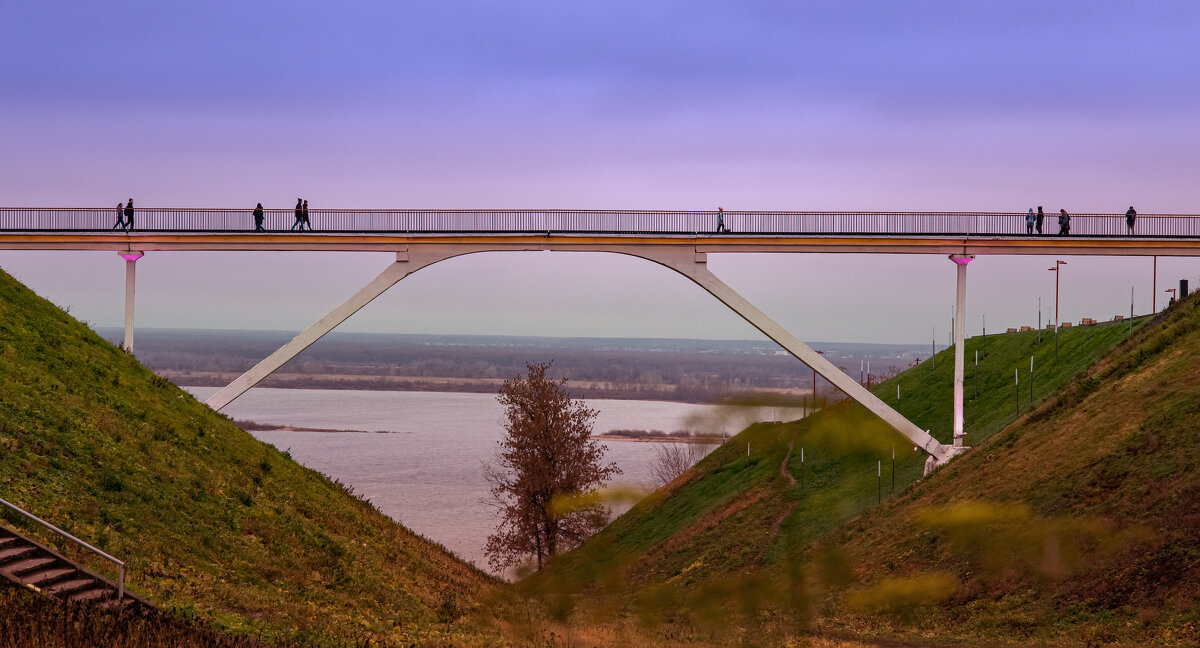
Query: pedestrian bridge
x=748 y=231
x=678 y=240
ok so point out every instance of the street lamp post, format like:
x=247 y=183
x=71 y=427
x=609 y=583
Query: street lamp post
x=1057 y=320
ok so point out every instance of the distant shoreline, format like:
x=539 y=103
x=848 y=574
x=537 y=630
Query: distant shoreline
x=613 y=435
x=578 y=388
x=255 y=426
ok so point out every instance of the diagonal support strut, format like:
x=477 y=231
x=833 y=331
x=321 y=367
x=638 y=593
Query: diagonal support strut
x=391 y=275
x=694 y=266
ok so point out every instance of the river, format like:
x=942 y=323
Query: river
x=426 y=471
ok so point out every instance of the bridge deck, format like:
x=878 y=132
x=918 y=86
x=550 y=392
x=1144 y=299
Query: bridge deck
x=753 y=232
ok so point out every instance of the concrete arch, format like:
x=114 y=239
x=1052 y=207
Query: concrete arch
x=685 y=261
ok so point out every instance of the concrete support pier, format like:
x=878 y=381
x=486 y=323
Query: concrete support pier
x=131 y=258
x=960 y=325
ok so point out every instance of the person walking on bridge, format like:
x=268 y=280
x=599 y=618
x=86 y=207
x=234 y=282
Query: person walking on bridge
x=299 y=216
x=1030 y=221
x=1041 y=216
x=120 y=217
x=1130 y=218
x=721 y=220
x=258 y=218
x=129 y=215
x=1064 y=223
x=304 y=212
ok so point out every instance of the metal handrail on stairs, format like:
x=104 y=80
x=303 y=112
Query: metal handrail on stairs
x=120 y=564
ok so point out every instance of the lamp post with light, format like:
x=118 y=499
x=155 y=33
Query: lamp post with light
x=1057 y=320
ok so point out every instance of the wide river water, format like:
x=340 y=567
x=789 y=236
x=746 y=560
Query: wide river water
x=426 y=473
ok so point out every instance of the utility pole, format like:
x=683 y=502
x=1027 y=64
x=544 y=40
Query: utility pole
x=1039 y=320
x=1030 y=381
x=815 y=384
x=1131 y=310
x=1154 y=288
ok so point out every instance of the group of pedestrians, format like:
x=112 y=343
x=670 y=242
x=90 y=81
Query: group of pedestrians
x=1034 y=221
x=124 y=216
x=302 y=219
x=301 y=216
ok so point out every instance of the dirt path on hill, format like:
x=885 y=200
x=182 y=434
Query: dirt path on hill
x=786 y=474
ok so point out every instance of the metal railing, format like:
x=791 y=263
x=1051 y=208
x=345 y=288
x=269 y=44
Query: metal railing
x=120 y=564
x=629 y=222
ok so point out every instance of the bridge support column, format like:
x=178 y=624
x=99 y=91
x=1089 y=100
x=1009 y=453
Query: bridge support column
x=398 y=270
x=694 y=266
x=960 y=325
x=131 y=258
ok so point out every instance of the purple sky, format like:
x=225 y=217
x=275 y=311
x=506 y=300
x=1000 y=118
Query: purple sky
x=1091 y=106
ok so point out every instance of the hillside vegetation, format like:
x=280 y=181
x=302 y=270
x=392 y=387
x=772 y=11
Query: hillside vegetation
x=751 y=517
x=1079 y=523
x=210 y=521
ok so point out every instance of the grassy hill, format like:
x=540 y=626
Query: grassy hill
x=1079 y=523
x=746 y=518
x=210 y=521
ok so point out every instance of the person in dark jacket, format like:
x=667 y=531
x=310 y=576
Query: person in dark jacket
x=1041 y=216
x=129 y=214
x=258 y=218
x=299 y=215
x=1130 y=218
x=120 y=217
x=304 y=213
x=1064 y=223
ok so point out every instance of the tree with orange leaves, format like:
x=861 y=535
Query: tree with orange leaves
x=546 y=454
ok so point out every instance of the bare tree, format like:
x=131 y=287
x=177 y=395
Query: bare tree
x=672 y=459
x=547 y=453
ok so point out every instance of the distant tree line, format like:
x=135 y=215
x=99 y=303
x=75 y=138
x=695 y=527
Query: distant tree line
x=681 y=370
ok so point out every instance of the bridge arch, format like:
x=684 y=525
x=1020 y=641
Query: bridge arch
x=685 y=261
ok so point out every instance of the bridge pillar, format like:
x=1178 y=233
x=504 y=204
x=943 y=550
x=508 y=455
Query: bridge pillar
x=960 y=325
x=131 y=257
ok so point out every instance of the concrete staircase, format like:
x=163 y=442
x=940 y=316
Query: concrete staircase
x=29 y=564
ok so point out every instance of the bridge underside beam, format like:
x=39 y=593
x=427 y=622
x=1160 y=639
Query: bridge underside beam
x=723 y=243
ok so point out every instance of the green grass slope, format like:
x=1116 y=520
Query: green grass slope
x=209 y=520
x=736 y=512
x=1079 y=524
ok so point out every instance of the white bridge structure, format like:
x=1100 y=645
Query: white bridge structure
x=679 y=240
